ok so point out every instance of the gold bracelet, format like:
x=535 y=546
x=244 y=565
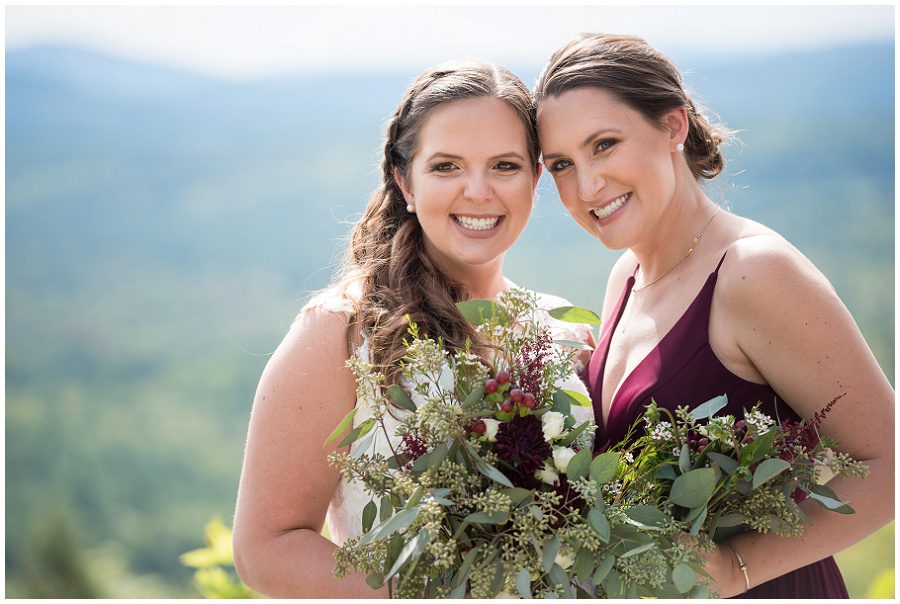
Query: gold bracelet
x=742 y=566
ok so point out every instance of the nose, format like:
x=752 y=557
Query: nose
x=478 y=187
x=590 y=184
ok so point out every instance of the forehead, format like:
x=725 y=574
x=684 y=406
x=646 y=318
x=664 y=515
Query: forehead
x=485 y=123
x=567 y=118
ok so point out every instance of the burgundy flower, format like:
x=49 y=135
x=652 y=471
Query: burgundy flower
x=412 y=448
x=531 y=363
x=520 y=443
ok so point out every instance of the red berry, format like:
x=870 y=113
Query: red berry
x=740 y=425
x=491 y=385
x=506 y=406
x=479 y=427
x=528 y=401
x=703 y=442
x=516 y=395
x=503 y=377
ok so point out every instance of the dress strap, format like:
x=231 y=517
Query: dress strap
x=719 y=265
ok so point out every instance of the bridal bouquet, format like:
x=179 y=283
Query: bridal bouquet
x=491 y=486
x=724 y=475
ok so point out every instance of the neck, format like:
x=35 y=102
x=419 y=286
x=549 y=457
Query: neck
x=484 y=282
x=673 y=234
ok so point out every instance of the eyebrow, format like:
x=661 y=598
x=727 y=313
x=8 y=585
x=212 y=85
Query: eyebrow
x=587 y=141
x=441 y=154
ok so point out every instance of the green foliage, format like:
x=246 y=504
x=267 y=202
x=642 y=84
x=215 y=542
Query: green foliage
x=210 y=578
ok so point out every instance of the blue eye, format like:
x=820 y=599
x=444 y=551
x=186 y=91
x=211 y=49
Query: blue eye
x=605 y=144
x=560 y=164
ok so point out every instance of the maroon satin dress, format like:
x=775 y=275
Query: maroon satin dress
x=683 y=370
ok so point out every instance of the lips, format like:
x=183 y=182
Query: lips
x=611 y=207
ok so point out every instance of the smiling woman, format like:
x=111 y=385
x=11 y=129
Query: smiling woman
x=458 y=175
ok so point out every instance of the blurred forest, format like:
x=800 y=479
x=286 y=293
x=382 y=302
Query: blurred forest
x=163 y=229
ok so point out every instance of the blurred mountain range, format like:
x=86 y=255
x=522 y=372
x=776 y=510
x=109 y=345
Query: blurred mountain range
x=163 y=228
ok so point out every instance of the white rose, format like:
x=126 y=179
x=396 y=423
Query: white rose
x=553 y=423
x=561 y=458
x=565 y=559
x=547 y=474
x=492 y=426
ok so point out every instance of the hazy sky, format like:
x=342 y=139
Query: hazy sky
x=238 y=42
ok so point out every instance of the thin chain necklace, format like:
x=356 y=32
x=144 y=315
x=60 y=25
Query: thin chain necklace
x=683 y=258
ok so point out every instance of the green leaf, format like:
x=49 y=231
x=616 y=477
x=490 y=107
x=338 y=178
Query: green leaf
x=477 y=312
x=647 y=515
x=415 y=498
x=398 y=522
x=684 y=459
x=683 y=577
x=600 y=524
x=579 y=465
x=639 y=550
x=559 y=576
x=386 y=509
x=358 y=432
x=603 y=569
x=492 y=473
x=487 y=518
x=733 y=519
x=665 y=472
x=411 y=550
x=475 y=396
x=580 y=399
x=573 y=344
x=375 y=580
x=562 y=403
x=727 y=464
x=769 y=469
x=584 y=564
x=612 y=584
x=551 y=549
x=463 y=574
x=698 y=592
x=604 y=467
x=573 y=434
x=523 y=583
x=708 y=409
x=693 y=488
x=345 y=423
x=368 y=516
x=517 y=495
x=575 y=314
x=431 y=459
x=698 y=521
x=829 y=499
x=400 y=398
x=363 y=444
x=499 y=576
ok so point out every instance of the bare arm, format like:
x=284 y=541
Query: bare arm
x=286 y=482
x=801 y=339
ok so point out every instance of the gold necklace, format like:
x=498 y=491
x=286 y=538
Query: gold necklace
x=683 y=258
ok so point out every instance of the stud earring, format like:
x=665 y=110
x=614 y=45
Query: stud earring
x=410 y=208
x=679 y=147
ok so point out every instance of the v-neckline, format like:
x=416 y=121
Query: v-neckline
x=626 y=295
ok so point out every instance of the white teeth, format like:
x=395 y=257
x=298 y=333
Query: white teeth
x=477 y=224
x=611 y=207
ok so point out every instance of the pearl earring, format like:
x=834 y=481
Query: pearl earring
x=679 y=147
x=410 y=208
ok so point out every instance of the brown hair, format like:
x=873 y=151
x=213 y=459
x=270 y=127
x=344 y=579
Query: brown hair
x=642 y=78
x=386 y=254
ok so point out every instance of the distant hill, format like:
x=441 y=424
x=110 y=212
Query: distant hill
x=162 y=229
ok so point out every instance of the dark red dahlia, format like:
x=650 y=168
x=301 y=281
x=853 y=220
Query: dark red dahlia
x=520 y=443
x=412 y=448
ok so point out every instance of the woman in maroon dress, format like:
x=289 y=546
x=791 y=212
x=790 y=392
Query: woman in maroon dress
x=704 y=302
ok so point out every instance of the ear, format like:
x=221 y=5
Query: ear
x=677 y=123
x=537 y=177
x=407 y=194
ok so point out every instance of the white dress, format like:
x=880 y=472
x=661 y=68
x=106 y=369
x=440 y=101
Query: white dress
x=344 y=516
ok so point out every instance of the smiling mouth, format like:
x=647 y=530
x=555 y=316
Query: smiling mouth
x=477 y=223
x=611 y=207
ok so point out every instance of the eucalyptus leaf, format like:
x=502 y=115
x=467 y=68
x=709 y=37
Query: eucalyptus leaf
x=487 y=518
x=477 y=312
x=474 y=397
x=362 y=445
x=584 y=564
x=768 y=470
x=358 y=432
x=829 y=499
x=345 y=423
x=385 y=509
x=398 y=522
x=493 y=473
x=647 y=515
x=523 y=583
x=499 y=576
x=708 y=409
x=603 y=569
x=401 y=398
x=699 y=592
x=579 y=399
x=604 y=467
x=683 y=577
x=463 y=574
x=612 y=584
x=416 y=497
x=411 y=550
x=639 y=550
x=559 y=576
x=575 y=314
x=517 y=495
x=375 y=580
x=550 y=551
x=579 y=465
x=368 y=516
x=693 y=488
x=573 y=434
x=684 y=459
x=600 y=524
x=573 y=344
x=733 y=519
x=698 y=522
x=665 y=472
x=431 y=459
x=727 y=464
x=562 y=403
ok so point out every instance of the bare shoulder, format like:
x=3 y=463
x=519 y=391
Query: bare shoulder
x=618 y=276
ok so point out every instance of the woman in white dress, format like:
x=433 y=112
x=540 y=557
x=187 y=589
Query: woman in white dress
x=459 y=171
